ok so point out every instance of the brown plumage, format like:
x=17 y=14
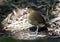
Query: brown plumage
x=35 y=17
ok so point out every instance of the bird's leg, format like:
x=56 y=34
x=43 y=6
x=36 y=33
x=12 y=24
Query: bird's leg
x=37 y=30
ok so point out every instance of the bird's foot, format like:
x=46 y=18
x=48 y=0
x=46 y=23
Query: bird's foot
x=36 y=32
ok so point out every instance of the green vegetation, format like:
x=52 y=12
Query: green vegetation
x=9 y=39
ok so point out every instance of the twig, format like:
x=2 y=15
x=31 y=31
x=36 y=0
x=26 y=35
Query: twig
x=55 y=19
x=14 y=12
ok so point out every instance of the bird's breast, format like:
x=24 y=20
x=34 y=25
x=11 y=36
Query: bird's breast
x=35 y=18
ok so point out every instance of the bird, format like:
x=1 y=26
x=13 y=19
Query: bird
x=35 y=18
